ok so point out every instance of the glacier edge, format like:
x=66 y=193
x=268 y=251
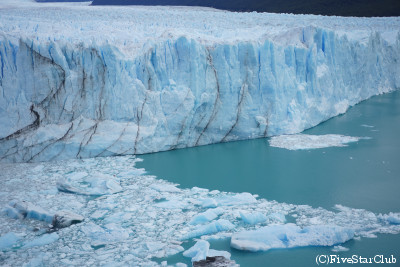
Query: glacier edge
x=76 y=100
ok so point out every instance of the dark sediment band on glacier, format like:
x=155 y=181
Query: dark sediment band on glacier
x=76 y=101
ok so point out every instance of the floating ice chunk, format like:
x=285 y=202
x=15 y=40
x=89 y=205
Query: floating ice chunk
x=392 y=218
x=38 y=261
x=289 y=236
x=209 y=203
x=253 y=218
x=96 y=184
x=42 y=240
x=134 y=172
x=339 y=249
x=198 y=252
x=172 y=250
x=229 y=200
x=238 y=199
x=196 y=190
x=277 y=217
x=206 y=216
x=154 y=246
x=172 y=204
x=165 y=188
x=97 y=214
x=211 y=228
x=8 y=240
x=306 y=141
x=367 y=126
x=201 y=251
x=218 y=253
x=104 y=235
x=66 y=218
x=24 y=209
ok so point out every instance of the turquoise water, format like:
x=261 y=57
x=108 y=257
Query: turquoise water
x=366 y=175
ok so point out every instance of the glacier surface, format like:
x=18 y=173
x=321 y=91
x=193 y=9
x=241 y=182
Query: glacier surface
x=79 y=81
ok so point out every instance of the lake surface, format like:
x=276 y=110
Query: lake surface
x=365 y=175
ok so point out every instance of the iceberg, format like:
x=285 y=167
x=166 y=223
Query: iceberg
x=253 y=218
x=149 y=82
x=211 y=228
x=24 y=209
x=201 y=251
x=307 y=141
x=290 y=236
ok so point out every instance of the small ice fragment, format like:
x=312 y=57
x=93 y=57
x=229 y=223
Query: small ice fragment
x=165 y=188
x=24 y=209
x=96 y=184
x=171 y=204
x=8 y=240
x=339 y=249
x=277 y=217
x=197 y=190
x=221 y=253
x=391 y=218
x=198 y=252
x=211 y=228
x=209 y=203
x=253 y=218
x=42 y=240
x=229 y=200
x=206 y=216
x=66 y=218
x=237 y=199
x=154 y=246
x=98 y=214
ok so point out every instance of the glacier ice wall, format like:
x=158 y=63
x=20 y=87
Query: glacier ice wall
x=64 y=99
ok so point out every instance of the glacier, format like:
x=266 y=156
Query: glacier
x=79 y=81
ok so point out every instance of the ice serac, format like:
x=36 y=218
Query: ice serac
x=146 y=85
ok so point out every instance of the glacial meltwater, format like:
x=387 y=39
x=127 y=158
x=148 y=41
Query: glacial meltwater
x=362 y=175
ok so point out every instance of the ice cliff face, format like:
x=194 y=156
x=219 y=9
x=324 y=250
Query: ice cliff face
x=81 y=81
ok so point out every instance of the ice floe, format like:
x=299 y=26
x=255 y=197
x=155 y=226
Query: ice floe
x=253 y=218
x=24 y=209
x=42 y=240
x=339 y=249
x=82 y=183
x=290 y=236
x=201 y=251
x=307 y=141
x=147 y=218
x=211 y=228
x=8 y=240
x=206 y=216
